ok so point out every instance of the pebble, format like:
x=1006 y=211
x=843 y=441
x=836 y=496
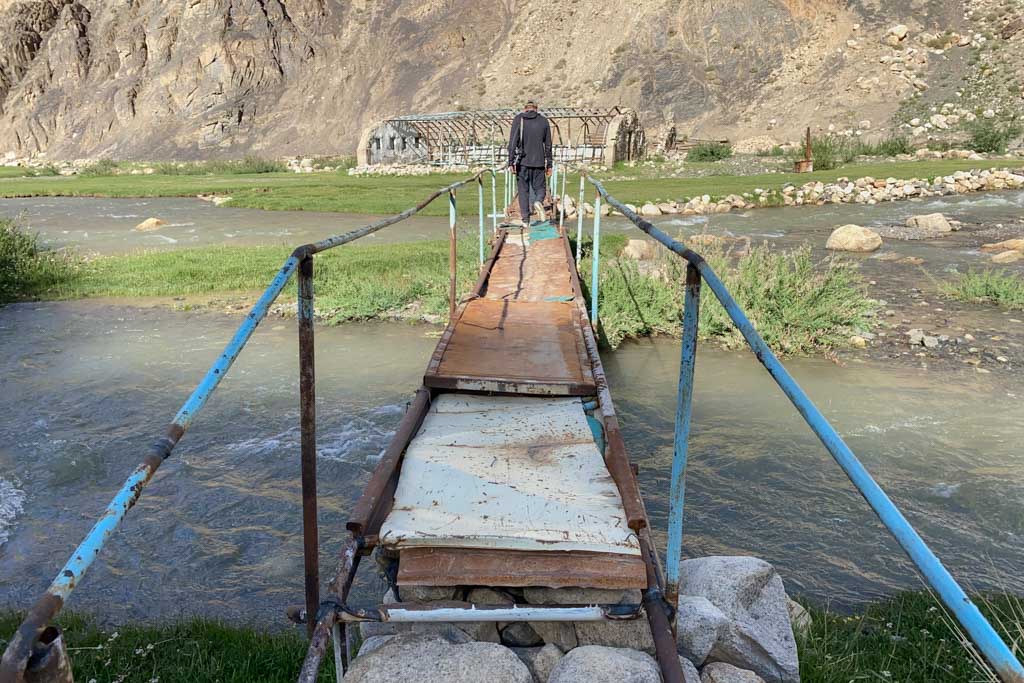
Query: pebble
x=1002 y=359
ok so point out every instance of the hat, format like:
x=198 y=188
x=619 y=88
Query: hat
x=531 y=103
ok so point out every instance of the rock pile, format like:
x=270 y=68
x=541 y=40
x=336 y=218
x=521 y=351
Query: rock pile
x=1007 y=251
x=734 y=626
x=406 y=169
x=865 y=190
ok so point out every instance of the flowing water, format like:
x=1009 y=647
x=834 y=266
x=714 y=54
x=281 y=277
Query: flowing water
x=87 y=386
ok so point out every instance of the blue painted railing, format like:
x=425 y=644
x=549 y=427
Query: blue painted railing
x=30 y=634
x=980 y=631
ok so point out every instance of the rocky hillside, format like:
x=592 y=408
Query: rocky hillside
x=206 y=78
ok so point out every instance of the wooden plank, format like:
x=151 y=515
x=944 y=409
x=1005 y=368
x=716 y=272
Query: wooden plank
x=507 y=472
x=530 y=342
x=535 y=272
x=519 y=568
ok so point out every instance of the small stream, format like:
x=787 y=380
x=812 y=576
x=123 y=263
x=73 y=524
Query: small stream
x=89 y=385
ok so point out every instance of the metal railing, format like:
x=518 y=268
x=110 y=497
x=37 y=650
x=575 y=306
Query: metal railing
x=977 y=627
x=38 y=646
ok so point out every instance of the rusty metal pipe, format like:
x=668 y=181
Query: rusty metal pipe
x=307 y=419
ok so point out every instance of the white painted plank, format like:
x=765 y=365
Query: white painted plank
x=516 y=473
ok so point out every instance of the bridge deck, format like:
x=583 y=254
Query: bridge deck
x=523 y=336
x=505 y=480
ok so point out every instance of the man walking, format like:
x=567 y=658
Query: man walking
x=529 y=156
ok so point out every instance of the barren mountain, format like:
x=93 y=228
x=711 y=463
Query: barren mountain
x=162 y=79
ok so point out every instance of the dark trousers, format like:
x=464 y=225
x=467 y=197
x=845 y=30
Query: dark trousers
x=533 y=181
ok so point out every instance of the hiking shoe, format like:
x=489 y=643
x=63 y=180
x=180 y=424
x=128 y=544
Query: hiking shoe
x=539 y=208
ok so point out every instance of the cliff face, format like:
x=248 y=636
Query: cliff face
x=202 y=78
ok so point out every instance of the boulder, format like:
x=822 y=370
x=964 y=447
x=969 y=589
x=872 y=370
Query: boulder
x=650 y=209
x=373 y=643
x=854 y=238
x=520 y=634
x=934 y=223
x=631 y=633
x=541 y=661
x=1008 y=257
x=667 y=208
x=427 y=659
x=720 y=672
x=150 y=224
x=690 y=673
x=640 y=250
x=596 y=664
x=426 y=593
x=749 y=592
x=1005 y=245
x=699 y=626
x=900 y=31
x=798 y=616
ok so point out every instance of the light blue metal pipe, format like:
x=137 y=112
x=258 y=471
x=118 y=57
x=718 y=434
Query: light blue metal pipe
x=938 y=577
x=579 y=223
x=561 y=202
x=684 y=409
x=220 y=367
x=89 y=548
x=480 y=195
x=595 y=258
x=494 y=204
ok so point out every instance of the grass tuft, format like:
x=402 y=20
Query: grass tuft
x=186 y=652
x=796 y=305
x=248 y=165
x=26 y=269
x=1000 y=287
x=709 y=151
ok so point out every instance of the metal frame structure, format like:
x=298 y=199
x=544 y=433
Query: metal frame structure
x=481 y=137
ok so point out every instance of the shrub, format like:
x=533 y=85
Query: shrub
x=250 y=164
x=25 y=267
x=829 y=151
x=709 y=151
x=993 y=286
x=889 y=147
x=988 y=136
x=103 y=167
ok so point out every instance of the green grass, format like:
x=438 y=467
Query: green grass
x=186 y=652
x=352 y=282
x=392 y=194
x=994 y=286
x=796 y=305
x=908 y=638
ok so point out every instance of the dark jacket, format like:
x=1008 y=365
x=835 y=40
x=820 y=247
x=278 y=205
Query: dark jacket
x=535 y=150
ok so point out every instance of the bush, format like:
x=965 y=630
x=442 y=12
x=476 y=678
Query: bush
x=988 y=136
x=829 y=151
x=709 y=151
x=26 y=268
x=999 y=287
x=797 y=306
x=889 y=147
x=103 y=167
x=248 y=165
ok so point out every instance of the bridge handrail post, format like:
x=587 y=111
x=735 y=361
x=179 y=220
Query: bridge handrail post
x=978 y=628
x=595 y=258
x=307 y=423
x=579 y=221
x=480 y=196
x=452 y=256
x=684 y=410
x=561 y=202
x=494 y=205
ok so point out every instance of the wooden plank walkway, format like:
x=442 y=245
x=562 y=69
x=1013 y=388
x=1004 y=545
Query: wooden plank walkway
x=523 y=335
x=507 y=481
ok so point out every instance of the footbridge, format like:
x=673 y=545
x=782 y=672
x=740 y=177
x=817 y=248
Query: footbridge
x=509 y=468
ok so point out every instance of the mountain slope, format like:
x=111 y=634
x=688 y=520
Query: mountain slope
x=203 y=78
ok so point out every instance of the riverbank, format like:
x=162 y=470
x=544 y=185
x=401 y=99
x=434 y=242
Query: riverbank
x=906 y=638
x=340 y=192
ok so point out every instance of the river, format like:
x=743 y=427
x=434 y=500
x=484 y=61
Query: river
x=88 y=385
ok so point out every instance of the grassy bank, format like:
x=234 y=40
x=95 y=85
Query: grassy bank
x=392 y=194
x=908 y=638
x=799 y=306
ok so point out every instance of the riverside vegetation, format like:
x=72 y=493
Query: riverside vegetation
x=907 y=638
